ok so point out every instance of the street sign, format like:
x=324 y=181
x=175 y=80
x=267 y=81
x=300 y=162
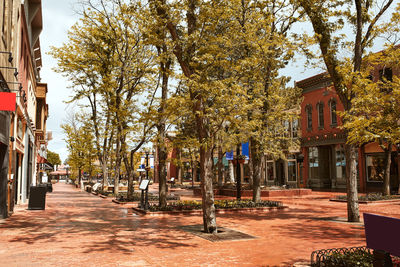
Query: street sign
x=144 y=184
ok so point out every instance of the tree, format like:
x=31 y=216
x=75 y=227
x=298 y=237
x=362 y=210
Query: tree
x=109 y=65
x=260 y=47
x=53 y=158
x=80 y=144
x=374 y=115
x=198 y=35
x=328 y=19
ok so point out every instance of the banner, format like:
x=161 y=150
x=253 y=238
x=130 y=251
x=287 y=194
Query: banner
x=245 y=150
x=229 y=155
x=7 y=101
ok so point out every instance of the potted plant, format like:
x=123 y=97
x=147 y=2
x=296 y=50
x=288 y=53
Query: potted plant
x=239 y=159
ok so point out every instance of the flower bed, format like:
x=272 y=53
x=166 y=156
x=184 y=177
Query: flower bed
x=219 y=204
x=151 y=197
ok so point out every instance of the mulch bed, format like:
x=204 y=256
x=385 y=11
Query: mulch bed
x=224 y=234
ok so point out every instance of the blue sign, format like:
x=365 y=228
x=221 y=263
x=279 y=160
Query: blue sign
x=229 y=155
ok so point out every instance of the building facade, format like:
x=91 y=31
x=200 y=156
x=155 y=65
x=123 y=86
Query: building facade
x=322 y=142
x=23 y=136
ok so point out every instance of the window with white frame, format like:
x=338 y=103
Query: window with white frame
x=295 y=128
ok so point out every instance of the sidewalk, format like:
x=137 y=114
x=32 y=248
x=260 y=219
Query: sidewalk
x=79 y=229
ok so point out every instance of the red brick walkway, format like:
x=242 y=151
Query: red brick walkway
x=79 y=229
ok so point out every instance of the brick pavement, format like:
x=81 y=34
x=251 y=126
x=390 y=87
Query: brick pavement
x=79 y=229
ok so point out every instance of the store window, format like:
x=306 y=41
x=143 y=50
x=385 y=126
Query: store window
x=292 y=170
x=340 y=162
x=270 y=170
x=375 y=167
x=313 y=162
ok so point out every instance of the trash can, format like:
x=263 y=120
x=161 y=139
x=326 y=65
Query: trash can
x=37 y=197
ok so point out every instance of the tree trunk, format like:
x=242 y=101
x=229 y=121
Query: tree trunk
x=351 y=179
x=117 y=167
x=256 y=166
x=162 y=186
x=105 y=173
x=231 y=172
x=220 y=166
x=129 y=170
x=209 y=219
x=194 y=170
x=386 y=178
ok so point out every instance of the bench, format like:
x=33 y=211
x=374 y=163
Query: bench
x=172 y=181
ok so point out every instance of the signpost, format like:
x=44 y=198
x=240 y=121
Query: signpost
x=144 y=197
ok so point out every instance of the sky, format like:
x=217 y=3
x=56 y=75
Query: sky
x=58 y=17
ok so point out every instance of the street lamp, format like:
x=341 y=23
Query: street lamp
x=80 y=154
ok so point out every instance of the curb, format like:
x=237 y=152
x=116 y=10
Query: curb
x=367 y=201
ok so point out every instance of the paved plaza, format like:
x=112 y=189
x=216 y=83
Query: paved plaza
x=80 y=229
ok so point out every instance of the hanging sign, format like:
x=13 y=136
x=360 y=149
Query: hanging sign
x=7 y=101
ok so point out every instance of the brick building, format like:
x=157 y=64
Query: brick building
x=322 y=141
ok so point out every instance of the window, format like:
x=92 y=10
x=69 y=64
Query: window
x=340 y=162
x=270 y=170
x=292 y=170
x=309 y=117
x=295 y=128
x=313 y=162
x=386 y=74
x=333 y=112
x=375 y=167
x=320 y=108
x=20 y=128
x=286 y=126
x=3 y=26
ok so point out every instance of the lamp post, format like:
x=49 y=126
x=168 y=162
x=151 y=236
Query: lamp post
x=238 y=175
x=80 y=154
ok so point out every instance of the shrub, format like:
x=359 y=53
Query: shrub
x=219 y=204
